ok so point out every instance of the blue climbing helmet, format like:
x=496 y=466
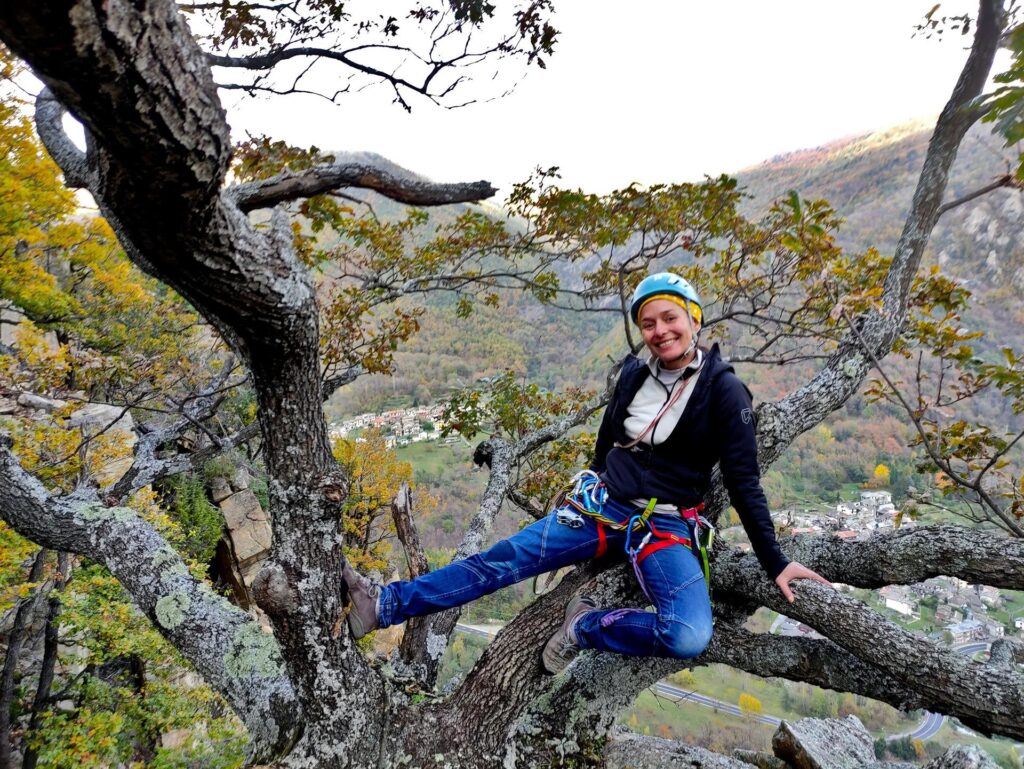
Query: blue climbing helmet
x=665 y=285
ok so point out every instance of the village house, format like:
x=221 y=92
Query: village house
x=900 y=599
x=968 y=630
x=873 y=500
x=947 y=614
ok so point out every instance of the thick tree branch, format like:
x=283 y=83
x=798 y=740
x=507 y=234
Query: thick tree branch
x=223 y=643
x=334 y=383
x=292 y=185
x=135 y=77
x=72 y=161
x=811 y=660
x=987 y=698
x=781 y=422
x=960 y=113
x=815 y=661
x=416 y=648
x=908 y=556
x=49 y=662
x=401 y=511
x=22 y=616
x=110 y=86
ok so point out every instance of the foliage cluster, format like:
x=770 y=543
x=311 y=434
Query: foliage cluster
x=375 y=476
x=90 y=327
x=200 y=522
x=509 y=407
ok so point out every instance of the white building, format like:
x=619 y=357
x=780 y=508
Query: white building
x=875 y=498
x=995 y=629
x=900 y=599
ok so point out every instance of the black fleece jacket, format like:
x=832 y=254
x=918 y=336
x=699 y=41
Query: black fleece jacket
x=717 y=426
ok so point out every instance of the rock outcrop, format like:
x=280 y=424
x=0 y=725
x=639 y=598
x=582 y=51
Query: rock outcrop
x=246 y=543
x=810 y=743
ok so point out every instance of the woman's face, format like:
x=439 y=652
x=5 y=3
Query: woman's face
x=666 y=328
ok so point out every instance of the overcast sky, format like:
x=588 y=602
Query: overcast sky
x=655 y=91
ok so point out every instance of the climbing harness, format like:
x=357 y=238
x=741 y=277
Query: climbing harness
x=586 y=495
x=703 y=538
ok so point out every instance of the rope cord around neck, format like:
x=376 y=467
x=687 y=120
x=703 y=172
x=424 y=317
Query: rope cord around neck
x=677 y=393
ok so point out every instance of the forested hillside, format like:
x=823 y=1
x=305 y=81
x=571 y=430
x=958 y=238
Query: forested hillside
x=870 y=180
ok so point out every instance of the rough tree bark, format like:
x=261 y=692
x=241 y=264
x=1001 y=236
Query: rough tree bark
x=22 y=618
x=49 y=661
x=157 y=155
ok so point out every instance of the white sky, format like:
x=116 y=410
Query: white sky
x=655 y=91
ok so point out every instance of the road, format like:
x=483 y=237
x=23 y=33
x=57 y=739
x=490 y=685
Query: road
x=678 y=695
x=934 y=721
x=927 y=728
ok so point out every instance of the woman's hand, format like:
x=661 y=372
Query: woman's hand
x=796 y=571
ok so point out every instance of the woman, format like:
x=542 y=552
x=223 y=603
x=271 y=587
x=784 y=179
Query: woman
x=672 y=417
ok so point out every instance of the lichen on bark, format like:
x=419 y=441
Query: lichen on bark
x=253 y=653
x=171 y=610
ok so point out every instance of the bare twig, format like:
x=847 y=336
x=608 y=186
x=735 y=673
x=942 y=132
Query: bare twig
x=1006 y=180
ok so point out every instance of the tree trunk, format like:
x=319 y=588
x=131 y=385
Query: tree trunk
x=22 y=617
x=49 y=663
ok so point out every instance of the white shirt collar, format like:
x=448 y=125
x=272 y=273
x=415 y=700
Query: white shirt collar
x=698 y=359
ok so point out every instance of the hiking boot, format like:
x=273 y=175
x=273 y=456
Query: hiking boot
x=562 y=647
x=362 y=599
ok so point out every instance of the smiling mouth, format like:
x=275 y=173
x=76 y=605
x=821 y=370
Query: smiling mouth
x=669 y=343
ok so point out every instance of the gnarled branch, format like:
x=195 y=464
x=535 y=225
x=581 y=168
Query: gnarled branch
x=987 y=698
x=72 y=161
x=295 y=185
x=225 y=645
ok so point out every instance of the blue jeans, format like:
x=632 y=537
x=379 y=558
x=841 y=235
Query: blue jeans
x=680 y=626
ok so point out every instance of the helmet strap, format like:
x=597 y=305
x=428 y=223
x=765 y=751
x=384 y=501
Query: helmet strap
x=694 y=333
